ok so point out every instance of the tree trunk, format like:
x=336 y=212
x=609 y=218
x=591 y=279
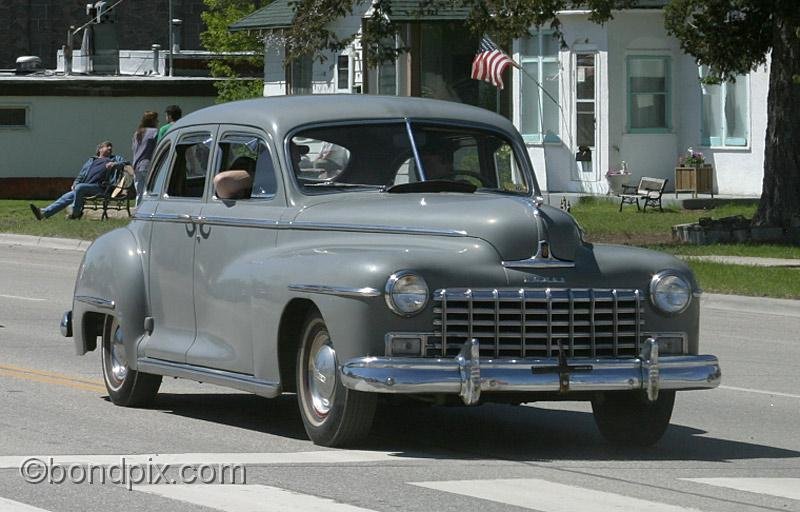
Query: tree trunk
x=780 y=196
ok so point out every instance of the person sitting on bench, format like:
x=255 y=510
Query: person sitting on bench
x=89 y=182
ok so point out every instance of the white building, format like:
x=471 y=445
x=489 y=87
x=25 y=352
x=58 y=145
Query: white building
x=625 y=89
x=50 y=123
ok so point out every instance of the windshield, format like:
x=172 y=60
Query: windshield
x=363 y=156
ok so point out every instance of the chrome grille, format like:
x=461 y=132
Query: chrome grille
x=534 y=322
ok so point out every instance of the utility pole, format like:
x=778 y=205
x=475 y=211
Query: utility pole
x=170 y=38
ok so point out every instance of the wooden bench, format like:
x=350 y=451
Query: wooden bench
x=649 y=190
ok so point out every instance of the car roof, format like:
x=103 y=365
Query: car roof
x=280 y=114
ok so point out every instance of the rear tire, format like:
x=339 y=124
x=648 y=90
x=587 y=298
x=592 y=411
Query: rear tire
x=332 y=414
x=629 y=419
x=125 y=386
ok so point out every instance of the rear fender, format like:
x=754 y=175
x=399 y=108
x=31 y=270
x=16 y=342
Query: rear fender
x=110 y=282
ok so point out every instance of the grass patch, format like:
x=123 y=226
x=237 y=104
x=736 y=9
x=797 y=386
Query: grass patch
x=16 y=217
x=779 y=282
x=603 y=221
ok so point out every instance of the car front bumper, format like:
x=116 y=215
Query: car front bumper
x=468 y=375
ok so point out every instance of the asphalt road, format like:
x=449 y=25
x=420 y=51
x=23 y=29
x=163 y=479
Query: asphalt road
x=736 y=448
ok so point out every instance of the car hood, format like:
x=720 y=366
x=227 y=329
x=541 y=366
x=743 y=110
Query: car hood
x=508 y=223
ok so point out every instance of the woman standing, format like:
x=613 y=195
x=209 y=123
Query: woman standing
x=144 y=143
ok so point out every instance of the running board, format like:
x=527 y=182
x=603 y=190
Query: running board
x=223 y=378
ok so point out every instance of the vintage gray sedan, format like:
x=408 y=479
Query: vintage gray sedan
x=347 y=247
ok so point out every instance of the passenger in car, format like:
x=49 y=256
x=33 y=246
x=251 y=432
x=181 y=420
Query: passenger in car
x=237 y=181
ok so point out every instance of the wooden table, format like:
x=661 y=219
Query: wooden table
x=695 y=179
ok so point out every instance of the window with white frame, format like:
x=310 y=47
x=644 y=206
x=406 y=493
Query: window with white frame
x=725 y=113
x=539 y=112
x=649 y=100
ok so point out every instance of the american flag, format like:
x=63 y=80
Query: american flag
x=489 y=63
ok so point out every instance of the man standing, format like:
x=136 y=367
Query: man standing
x=172 y=113
x=88 y=183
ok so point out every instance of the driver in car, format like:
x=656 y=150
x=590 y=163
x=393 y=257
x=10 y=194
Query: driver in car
x=437 y=161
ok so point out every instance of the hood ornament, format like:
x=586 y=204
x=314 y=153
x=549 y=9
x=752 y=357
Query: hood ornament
x=542 y=259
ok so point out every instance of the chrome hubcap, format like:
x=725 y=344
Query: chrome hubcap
x=322 y=374
x=119 y=360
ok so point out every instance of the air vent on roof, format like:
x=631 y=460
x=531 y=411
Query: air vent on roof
x=28 y=64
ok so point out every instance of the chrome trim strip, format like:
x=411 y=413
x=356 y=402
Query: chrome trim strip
x=523 y=321
x=592 y=325
x=301 y=225
x=342 y=291
x=96 y=302
x=371 y=228
x=538 y=263
x=220 y=377
x=164 y=217
x=638 y=318
x=444 y=321
x=241 y=223
x=468 y=375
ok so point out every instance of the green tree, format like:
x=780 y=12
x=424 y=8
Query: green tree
x=730 y=36
x=244 y=49
x=734 y=37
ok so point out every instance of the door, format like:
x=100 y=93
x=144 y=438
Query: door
x=586 y=114
x=172 y=246
x=236 y=243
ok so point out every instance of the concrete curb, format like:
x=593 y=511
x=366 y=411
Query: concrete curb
x=65 y=244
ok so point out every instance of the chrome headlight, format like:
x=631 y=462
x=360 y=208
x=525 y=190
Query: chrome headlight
x=406 y=293
x=670 y=292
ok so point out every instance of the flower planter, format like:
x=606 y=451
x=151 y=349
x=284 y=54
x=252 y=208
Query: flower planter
x=694 y=179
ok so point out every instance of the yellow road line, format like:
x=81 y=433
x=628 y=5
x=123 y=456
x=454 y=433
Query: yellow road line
x=52 y=378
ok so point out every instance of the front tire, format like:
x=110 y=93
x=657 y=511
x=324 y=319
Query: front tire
x=629 y=419
x=332 y=414
x=125 y=386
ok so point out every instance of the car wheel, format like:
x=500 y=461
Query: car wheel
x=629 y=419
x=332 y=414
x=125 y=386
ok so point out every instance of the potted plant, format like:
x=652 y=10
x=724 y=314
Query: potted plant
x=693 y=175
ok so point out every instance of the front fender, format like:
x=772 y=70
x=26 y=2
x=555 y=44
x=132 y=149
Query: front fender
x=110 y=282
x=358 y=324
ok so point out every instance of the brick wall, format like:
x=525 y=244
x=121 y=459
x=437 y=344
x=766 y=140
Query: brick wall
x=39 y=27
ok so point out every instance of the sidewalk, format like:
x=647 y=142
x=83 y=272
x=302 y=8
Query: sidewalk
x=746 y=260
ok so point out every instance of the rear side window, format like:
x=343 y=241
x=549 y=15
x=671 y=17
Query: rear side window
x=188 y=177
x=159 y=172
